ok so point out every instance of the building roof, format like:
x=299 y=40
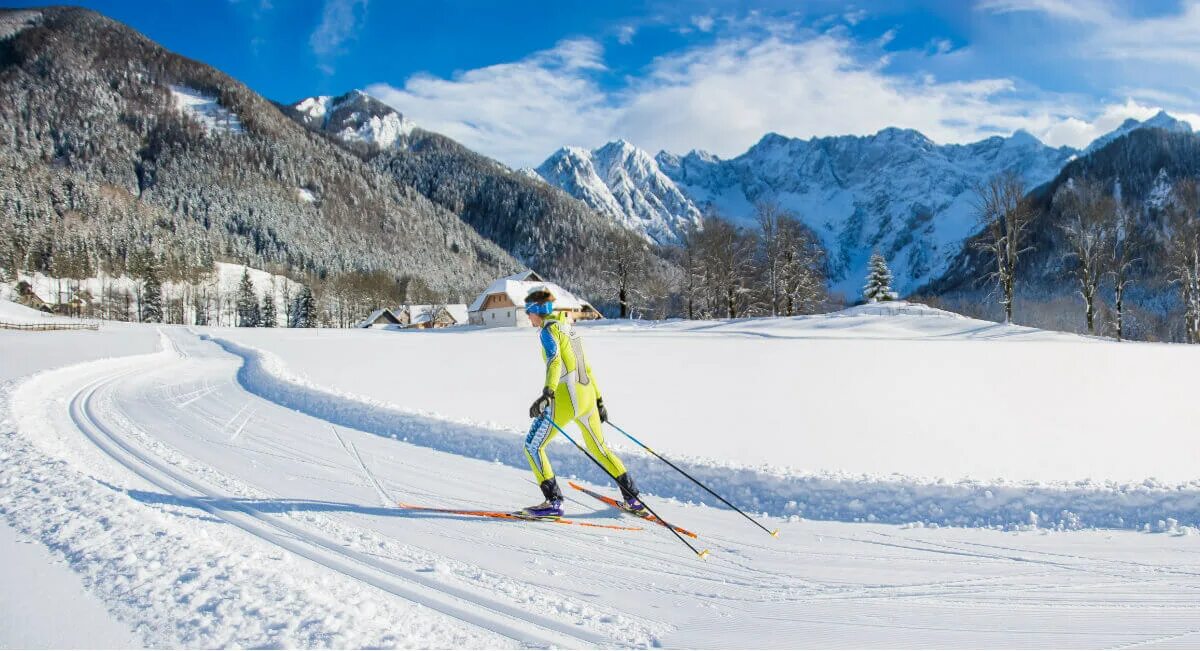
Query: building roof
x=366 y=323
x=517 y=287
x=418 y=314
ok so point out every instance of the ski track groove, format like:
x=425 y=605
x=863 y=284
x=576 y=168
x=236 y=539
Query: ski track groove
x=407 y=584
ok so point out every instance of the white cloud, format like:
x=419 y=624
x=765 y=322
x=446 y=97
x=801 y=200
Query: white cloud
x=517 y=112
x=703 y=23
x=340 y=19
x=625 y=34
x=724 y=96
x=1110 y=33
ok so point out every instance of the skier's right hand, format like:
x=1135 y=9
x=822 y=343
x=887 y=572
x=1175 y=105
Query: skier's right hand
x=542 y=403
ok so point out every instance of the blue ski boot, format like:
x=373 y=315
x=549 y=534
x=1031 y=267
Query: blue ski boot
x=634 y=506
x=551 y=509
x=548 y=510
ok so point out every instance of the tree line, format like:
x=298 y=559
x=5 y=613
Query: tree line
x=774 y=268
x=1108 y=244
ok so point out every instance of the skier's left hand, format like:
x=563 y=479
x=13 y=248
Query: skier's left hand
x=542 y=403
x=602 y=409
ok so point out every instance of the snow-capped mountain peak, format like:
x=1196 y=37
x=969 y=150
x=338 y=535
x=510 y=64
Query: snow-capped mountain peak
x=624 y=182
x=1160 y=120
x=896 y=191
x=355 y=117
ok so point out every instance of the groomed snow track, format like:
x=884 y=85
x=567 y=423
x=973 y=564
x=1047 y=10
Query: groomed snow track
x=521 y=627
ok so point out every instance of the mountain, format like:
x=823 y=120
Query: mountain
x=112 y=144
x=539 y=224
x=354 y=117
x=1142 y=166
x=1161 y=120
x=895 y=191
x=626 y=184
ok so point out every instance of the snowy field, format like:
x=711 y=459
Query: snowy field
x=217 y=487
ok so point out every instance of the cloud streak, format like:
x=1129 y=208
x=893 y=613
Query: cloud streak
x=726 y=94
x=340 y=20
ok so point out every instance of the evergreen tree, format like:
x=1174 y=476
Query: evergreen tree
x=267 y=314
x=152 y=307
x=247 y=302
x=879 y=280
x=304 y=312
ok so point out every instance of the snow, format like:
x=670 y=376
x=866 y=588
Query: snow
x=681 y=387
x=206 y=110
x=218 y=487
x=306 y=195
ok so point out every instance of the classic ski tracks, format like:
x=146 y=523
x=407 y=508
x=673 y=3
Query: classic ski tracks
x=464 y=605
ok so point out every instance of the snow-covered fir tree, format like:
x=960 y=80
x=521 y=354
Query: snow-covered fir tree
x=304 y=311
x=879 y=280
x=152 y=306
x=267 y=318
x=247 y=303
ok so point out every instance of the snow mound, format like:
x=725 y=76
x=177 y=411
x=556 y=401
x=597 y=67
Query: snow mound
x=206 y=110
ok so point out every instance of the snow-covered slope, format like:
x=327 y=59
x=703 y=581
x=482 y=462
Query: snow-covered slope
x=214 y=494
x=625 y=183
x=355 y=117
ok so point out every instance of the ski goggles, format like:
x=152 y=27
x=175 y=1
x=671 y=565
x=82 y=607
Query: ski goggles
x=541 y=309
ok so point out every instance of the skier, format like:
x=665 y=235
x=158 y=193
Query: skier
x=570 y=394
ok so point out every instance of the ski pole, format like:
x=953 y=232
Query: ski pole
x=702 y=554
x=774 y=533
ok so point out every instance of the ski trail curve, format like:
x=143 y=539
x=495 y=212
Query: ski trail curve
x=522 y=627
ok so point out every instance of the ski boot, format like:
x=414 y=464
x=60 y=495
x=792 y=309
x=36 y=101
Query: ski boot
x=548 y=510
x=551 y=509
x=629 y=492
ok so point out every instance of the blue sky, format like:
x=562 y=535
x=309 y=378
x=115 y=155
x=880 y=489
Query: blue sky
x=516 y=80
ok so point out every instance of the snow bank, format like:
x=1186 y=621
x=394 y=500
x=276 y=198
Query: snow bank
x=758 y=488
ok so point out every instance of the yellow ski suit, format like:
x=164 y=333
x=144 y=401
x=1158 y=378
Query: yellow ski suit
x=570 y=377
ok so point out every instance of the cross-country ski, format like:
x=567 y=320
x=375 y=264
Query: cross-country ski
x=515 y=515
x=622 y=507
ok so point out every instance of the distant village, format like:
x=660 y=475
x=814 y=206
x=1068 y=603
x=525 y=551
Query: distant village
x=498 y=305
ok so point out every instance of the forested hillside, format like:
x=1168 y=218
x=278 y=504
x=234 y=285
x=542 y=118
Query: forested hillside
x=1134 y=198
x=536 y=222
x=112 y=147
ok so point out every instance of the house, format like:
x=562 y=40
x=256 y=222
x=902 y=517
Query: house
x=27 y=297
x=432 y=316
x=380 y=318
x=503 y=302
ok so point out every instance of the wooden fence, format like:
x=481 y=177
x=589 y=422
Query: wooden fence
x=50 y=326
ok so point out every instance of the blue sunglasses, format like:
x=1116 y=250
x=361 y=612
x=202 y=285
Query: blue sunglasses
x=542 y=309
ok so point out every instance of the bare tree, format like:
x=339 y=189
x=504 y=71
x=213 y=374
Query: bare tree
x=1184 y=252
x=692 y=265
x=728 y=262
x=771 y=242
x=1005 y=214
x=1124 y=248
x=802 y=268
x=623 y=269
x=1088 y=217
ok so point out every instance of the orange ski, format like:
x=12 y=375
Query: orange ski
x=501 y=515
x=616 y=505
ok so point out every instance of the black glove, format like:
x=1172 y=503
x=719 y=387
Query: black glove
x=603 y=411
x=542 y=403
